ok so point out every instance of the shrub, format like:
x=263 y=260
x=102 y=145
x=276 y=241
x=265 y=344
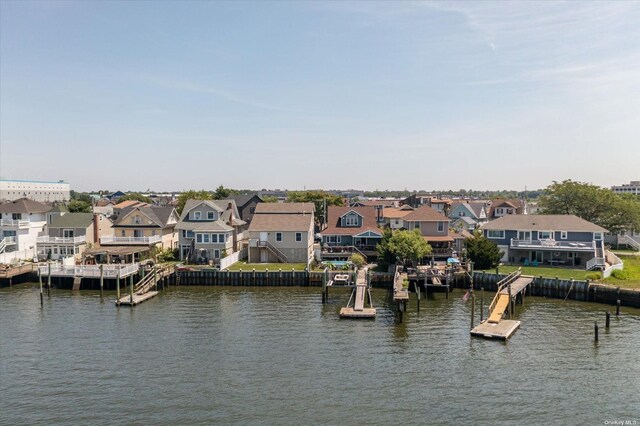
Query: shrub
x=593 y=276
x=357 y=260
x=621 y=274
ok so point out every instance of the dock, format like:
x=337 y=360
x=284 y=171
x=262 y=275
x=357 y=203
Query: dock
x=136 y=298
x=358 y=295
x=495 y=327
x=142 y=291
x=9 y=272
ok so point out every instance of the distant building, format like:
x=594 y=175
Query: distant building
x=632 y=187
x=41 y=191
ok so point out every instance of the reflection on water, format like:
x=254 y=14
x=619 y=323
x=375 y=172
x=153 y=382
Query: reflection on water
x=212 y=355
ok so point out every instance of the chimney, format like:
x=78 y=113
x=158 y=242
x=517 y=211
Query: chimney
x=96 y=227
x=230 y=208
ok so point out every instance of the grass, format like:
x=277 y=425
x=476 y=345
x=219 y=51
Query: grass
x=270 y=266
x=631 y=272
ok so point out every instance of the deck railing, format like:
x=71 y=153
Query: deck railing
x=502 y=284
x=88 y=271
x=551 y=243
x=130 y=240
x=14 y=223
x=61 y=240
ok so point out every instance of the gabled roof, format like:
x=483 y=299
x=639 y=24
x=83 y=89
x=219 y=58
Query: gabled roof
x=72 y=220
x=396 y=213
x=368 y=203
x=539 y=222
x=290 y=208
x=425 y=214
x=158 y=215
x=243 y=200
x=467 y=207
x=25 y=205
x=518 y=205
x=462 y=235
x=130 y=203
x=221 y=206
x=477 y=207
x=466 y=219
x=335 y=213
x=210 y=226
x=281 y=222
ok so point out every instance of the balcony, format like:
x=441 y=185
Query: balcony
x=61 y=240
x=553 y=245
x=14 y=223
x=8 y=241
x=130 y=241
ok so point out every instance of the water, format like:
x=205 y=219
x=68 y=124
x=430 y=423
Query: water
x=196 y=355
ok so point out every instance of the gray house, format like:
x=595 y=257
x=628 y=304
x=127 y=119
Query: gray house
x=246 y=205
x=69 y=234
x=209 y=230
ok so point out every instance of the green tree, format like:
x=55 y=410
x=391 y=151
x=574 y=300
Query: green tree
x=590 y=202
x=385 y=256
x=81 y=196
x=136 y=196
x=483 y=252
x=191 y=195
x=318 y=198
x=409 y=246
x=221 y=193
x=357 y=259
x=78 y=206
x=270 y=199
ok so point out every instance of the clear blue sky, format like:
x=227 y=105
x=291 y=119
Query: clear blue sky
x=171 y=96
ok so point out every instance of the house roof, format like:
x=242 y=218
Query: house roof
x=72 y=220
x=281 y=222
x=158 y=215
x=385 y=203
x=396 y=213
x=130 y=203
x=59 y=208
x=466 y=219
x=425 y=214
x=460 y=235
x=477 y=207
x=243 y=200
x=467 y=207
x=438 y=238
x=291 y=208
x=204 y=226
x=368 y=214
x=515 y=204
x=25 y=205
x=538 y=222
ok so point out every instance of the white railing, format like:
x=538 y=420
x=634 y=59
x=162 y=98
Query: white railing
x=10 y=240
x=595 y=262
x=88 y=271
x=14 y=223
x=3 y=245
x=130 y=240
x=570 y=245
x=615 y=263
x=225 y=262
x=61 y=240
x=625 y=239
x=16 y=256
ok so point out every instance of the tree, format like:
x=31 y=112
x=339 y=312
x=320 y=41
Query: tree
x=357 y=259
x=385 y=256
x=318 y=198
x=222 y=193
x=81 y=196
x=78 y=206
x=590 y=202
x=270 y=199
x=408 y=246
x=483 y=252
x=136 y=196
x=191 y=195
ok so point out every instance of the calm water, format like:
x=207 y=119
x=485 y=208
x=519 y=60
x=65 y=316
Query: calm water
x=278 y=356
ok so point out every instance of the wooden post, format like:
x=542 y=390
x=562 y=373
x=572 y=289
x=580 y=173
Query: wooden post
x=49 y=281
x=101 y=280
x=400 y=311
x=608 y=318
x=481 y=304
x=41 y=295
x=595 y=330
x=118 y=288
x=131 y=289
x=418 y=295
x=155 y=278
x=510 y=303
x=618 y=307
x=473 y=308
x=324 y=286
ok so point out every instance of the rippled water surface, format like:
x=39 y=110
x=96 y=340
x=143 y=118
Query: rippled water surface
x=210 y=355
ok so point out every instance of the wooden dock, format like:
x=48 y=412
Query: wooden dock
x=128 y=300
x=495 y=327
x=358 y=296
x=142 y=292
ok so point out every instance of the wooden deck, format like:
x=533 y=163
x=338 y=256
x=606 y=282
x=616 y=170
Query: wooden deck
x=501 y=330
x=518 y=285
x=137 y=298
x=16 y=270
x=352 y=313
x=399 y=292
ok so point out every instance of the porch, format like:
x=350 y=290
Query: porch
x=550 y=257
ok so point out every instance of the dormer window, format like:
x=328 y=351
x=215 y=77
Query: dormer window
x=210 y=216
x=197 y=215
x=351 y=220
x=137 y=220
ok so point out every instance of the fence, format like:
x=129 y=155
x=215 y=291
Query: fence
x=233 y=258
x=16 y=256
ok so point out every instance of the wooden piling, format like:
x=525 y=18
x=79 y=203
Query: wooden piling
x=618 y=307
x=595 y=330
x=473 y=308
x=118 y=289
x=49 y=281
x=481 y=304
x=510 y=304
x=418 y=295
x=101 y=280
x=607 y=320
x=41 y=295
x=131 y=289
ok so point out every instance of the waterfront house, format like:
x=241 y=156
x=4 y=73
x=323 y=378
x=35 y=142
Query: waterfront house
x=246 y=205
x=144 y=226
x=557 y=240
x=209 y=230
x=282 y=232
x=21 y=221
x=434 y=227
x=349 y=230
x=71 y=233
x=500 y=208
x=394 y=217
x=473 y=213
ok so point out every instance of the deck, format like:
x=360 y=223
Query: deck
x=359 y=294
x=137 y=298
x=501 y=330
x=13 y=271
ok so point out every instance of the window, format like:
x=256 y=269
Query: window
x=440 y=226
x=597 y=236
x=298 y=236
x=252 y=210
x=137 y=220
x=499 y=211
x=214 y=238
x=570 y=255
x=351 y=220
x=122 y=233
x=563 y=235
x=198 y=238
x=205 y=238
x=67 y=233
x=190 y=234
x=222 y=238
x=153 y=232
x=495 y=234
x=184 y=233
x=278 y=236
x=461 y=213
x=197 y=215
x=210 y=216
x=416 y=225
x=338 y=239
x=216 y=254
x=544 y=235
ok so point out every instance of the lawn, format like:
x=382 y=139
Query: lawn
x=270 y=266
x=631 y=273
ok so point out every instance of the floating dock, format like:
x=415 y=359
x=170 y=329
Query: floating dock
x=501 y=330
x=136 y=299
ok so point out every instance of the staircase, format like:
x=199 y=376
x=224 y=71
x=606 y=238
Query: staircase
x=622 y=239
x=499 y=309
x=277 y=253
x=3 y=245
x=599 y=261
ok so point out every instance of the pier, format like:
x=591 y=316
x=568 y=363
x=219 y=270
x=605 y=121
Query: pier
x=145 y=289
x=358 y=296
x=495 y=327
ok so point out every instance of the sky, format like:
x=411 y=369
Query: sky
x=293 y=95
